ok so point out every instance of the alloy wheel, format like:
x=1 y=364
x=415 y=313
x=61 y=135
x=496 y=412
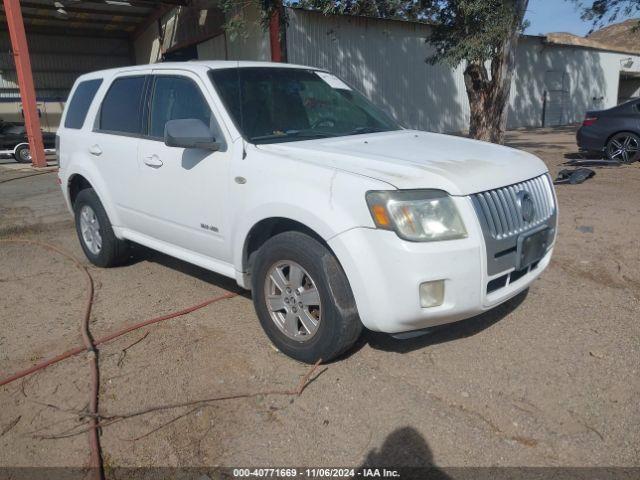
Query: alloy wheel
x=25 y=155
x=293 y=300
x=623 y=147
x=90 y=228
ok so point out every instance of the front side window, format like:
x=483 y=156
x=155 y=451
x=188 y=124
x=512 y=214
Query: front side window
x=121 y=110
x=177 y=98
x=80 y=103
x=271 y=105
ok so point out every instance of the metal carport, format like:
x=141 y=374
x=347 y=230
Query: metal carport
x=94 y=19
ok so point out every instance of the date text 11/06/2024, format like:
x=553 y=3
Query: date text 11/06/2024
x=315 y=472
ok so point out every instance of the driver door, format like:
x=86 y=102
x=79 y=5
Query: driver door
x=183 y=192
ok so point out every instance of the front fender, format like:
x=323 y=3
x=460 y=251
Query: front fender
x=333 y=204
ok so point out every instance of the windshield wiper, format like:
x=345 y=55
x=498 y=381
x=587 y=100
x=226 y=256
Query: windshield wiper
x=294 y=133
x=359 y=130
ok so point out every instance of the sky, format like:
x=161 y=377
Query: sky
x=548 y=16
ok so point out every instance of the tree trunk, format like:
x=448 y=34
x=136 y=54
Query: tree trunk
x=489 y=97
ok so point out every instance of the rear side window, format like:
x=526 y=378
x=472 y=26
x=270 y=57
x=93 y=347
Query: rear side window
x=80 y=103
x=121 y=110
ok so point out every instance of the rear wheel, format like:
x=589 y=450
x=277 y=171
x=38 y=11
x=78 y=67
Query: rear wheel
x=22 y=154
x=624 y=147
x=303 y=299
x=95 y=233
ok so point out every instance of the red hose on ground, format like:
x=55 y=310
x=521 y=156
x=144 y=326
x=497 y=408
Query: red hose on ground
x=75 y=351
x=94 y=439
x=89 y=347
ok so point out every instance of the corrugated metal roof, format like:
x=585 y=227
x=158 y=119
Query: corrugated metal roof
x=119 y=18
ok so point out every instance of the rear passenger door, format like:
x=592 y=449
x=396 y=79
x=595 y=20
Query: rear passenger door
x=114 y=144
x=190 y=187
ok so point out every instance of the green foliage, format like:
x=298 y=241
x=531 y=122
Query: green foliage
x=608 y=11
x=398 y=9
x=471 y=30
x=236 y=24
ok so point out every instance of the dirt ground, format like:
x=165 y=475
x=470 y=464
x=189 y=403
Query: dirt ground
x=550 y=379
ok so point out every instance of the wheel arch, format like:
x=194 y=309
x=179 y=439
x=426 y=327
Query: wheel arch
x=75 y=185
x=265 y=229
x=637 y=134
x=21 y=144
x=81 y=178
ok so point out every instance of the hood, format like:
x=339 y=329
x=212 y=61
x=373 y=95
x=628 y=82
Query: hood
x=409 y=159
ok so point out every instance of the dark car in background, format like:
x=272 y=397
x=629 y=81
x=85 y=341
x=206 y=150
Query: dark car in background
x=615 y=132
x=14 y=142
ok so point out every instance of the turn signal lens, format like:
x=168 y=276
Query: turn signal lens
x=380 y=216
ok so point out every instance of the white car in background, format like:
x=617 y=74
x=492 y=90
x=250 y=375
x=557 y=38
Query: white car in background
x=288 y=180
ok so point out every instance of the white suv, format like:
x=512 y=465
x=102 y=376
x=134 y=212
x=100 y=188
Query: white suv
x=290 y=181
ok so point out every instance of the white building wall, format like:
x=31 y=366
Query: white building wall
x=386 y=61
x=254 y=44
x=589 y=81
x=180 y=27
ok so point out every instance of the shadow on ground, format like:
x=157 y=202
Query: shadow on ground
x=405 y=448
x=140 y=254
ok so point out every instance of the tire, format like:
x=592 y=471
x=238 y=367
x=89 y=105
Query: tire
x=22 y=154
x=338 y=325
x=624 y=147
x=95 y=233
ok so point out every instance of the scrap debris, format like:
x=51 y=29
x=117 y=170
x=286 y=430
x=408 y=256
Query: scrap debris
x=573 y=177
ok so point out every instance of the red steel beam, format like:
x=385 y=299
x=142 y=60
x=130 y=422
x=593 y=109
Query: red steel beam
x=25 y=81
x=275 y=30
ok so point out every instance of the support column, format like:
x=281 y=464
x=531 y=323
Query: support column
x=25 y=81
x=276 y=32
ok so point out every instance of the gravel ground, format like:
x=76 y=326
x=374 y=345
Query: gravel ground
x=550 y=379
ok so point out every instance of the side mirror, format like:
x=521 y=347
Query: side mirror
x=189 y=133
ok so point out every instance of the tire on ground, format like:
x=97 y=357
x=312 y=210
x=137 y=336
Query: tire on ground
x=22 y=154
x=114 y=251
x=339 y=325
x=619 y=151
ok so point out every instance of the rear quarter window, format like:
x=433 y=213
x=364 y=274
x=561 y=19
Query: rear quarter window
x=121 y=110
x=80 y=103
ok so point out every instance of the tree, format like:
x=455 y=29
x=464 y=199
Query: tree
x=608 y=11
x=481 y=34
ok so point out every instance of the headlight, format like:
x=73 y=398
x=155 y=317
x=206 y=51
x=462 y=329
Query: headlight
x=417 y=215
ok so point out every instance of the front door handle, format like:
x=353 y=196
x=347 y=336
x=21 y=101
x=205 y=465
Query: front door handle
x=153 y=161
x=95 y=150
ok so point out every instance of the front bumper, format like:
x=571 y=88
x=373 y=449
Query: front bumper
x=385 y=273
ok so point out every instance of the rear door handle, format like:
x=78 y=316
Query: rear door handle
x=153 y=161
x=95 y=150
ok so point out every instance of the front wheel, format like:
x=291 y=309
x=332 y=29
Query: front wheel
x=624 y=147
x=303 y=298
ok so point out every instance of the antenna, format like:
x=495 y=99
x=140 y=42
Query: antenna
x=244 y=150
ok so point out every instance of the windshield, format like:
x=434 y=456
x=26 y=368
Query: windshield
x=285 y=104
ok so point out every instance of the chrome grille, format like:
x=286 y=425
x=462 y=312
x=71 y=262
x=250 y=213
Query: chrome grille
x=501 y=212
